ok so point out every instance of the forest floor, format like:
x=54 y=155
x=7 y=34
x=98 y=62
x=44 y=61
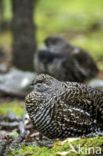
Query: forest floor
x=18 y=137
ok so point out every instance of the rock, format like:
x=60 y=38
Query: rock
x=96 y=83
x=16 y=82
x=3 y=68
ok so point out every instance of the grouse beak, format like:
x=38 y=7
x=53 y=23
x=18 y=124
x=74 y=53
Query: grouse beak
x=32 y=83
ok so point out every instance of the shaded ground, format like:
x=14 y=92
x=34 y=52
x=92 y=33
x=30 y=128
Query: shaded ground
x=18 y=137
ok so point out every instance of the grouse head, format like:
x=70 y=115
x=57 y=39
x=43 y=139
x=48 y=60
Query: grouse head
x=55 y=41
x=45 y=84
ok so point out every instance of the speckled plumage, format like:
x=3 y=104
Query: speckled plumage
x=64 y=61
x=64 y=109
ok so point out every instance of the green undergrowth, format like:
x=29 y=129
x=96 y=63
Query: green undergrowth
x=78 y=21
x=91 y=146
x=67 y=16
x=13 y=106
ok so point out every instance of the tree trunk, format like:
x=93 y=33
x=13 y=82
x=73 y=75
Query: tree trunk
x=23 y=29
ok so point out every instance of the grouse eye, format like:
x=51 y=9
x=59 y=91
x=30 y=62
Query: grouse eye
x=39 y=81
x=39 y=85
x=35 y=82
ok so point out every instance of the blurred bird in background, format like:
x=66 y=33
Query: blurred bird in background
x=64 y=61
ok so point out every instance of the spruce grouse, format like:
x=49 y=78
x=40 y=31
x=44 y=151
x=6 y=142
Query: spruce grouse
x=64 y=61
x=64 y=109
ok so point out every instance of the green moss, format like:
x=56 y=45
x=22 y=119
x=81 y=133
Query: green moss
x=83 y=143
x=14 y=134
x=15 y=107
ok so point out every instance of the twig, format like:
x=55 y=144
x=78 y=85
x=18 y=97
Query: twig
x=8 y=125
